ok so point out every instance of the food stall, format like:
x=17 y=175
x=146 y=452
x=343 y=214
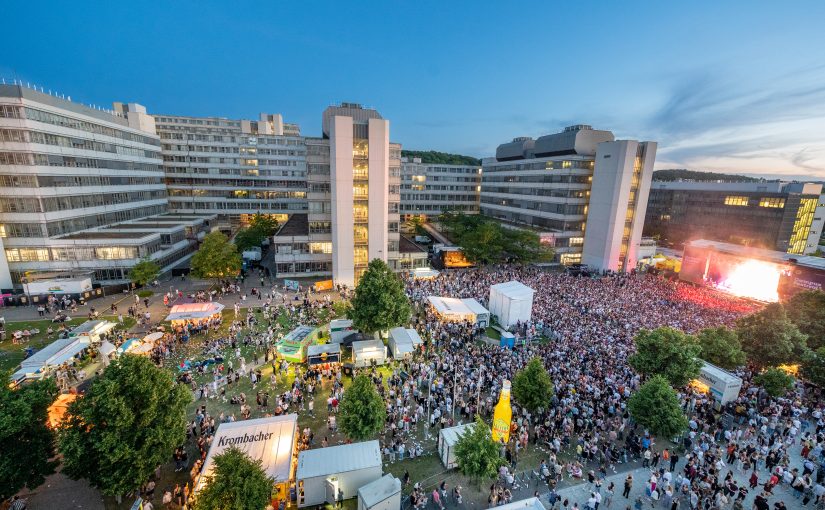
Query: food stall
x=194 y=313
x=293 y=347
x=340 y=325
x=368 y=352
x=720 y=384
x=106 y=349
x=403 y=342
x=447 y=439
x=459 y=310
x=322 y=354
x=511 y=302
x=95 y=330
x=41 y=363
x=270 y=440
x=382 y=494
x=322 y=472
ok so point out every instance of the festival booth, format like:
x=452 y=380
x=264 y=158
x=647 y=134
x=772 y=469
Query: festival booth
x=129 y=346
x=106 y=349
x=424 y=273
x=403 y=342
x=382 y=494
x=323 y=353
x=447 y=439
x=720 y=384
x=340 y=325
x=511 y=302
x=57 y=411
x=524 y=504
x=323 y=472
x=460 y=310
x=194 y=312
x=368 y=352
x=95 y=330
x=61 y=351
x=293 y=347
x=270 y=440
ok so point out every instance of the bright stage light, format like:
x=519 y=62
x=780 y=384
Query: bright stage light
x=753 y=279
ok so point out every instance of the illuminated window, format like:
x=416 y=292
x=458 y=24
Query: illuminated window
x=571 y=258
x=735 y=200
x=576 y=241
x=249 y=162
x=419 y=178
x=665 y=217
x=318 y=248
x=802 y=226
x=774 y=202
x=567 y=164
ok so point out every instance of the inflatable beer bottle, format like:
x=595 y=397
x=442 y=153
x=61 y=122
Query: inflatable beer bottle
x=502 y=415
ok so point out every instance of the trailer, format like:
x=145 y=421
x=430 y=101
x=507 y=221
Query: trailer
x=325 y=475
x=382 y=494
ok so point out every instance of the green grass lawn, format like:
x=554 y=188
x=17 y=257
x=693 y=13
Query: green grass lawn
x=12 y=354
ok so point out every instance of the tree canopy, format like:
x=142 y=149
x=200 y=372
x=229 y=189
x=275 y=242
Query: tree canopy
x=486 y=241
x=27 y=442
x=380 y=302
x=769 y=338
x=443 y=158
x=532 y=387
x=655 y=406
x=236 y=483
x=216 y=258
x=477 y=454
x=721 y=347
x=261 y=227
x=807 y=311
x=681 y=174
x=813 y=367
x=144 y=272
x=129 y=422
x=667 y=352
x=775 y=381
x=361 y=414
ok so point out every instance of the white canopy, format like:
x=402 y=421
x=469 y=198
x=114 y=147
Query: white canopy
x=424 y=273
x=455 y=309
x=143 y=348
x=511 y=302
x=153 y=337
x=319 y=349
x=451 y=435
x=379 y=490
x=338 y=459
x=403 y=341
x=92 y=328
x=189 y=311
x=365 y=351
x=56 y=353
x=269 y=440
x=524 y=504
x=106 y=348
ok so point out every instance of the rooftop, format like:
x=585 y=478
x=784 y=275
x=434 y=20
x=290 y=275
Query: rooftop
x=296 y=225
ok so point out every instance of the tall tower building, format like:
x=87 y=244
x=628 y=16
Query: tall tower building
x=360 y=184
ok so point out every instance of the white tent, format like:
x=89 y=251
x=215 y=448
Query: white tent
x=56 y=353
x=424 y=273
x=524 y=504
x=511 y=302
x=456 y=310
x=447 y=439
x=190 y=311
x=382 y=494
x=106 y=348
x=403 y=341
x=270 y=440
x=364 y=352
x=340 y=325
x=93 y=329
x=322 y=472
x=153 y=337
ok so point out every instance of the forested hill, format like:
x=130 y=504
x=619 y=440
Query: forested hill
x=443 y=158
x=681 y=174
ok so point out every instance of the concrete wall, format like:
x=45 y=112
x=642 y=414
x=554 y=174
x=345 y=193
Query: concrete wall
x=379 y=175
x=343 y=263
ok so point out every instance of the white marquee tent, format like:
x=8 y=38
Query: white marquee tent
x=364 y=352
x=447 y=439
x=192 y=311
x=322 y=472
x=403 y=342
x=456 y=310
x=511 y=302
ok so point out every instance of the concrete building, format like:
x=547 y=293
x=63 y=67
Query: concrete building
x=429 y=189
x=584 y=192
x=781 y=216
x=82 y=191
x=233 y=168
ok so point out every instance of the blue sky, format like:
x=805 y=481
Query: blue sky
x=728 y=86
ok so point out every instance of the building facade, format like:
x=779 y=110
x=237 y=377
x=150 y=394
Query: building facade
x=429 y=189
x=781 y=216
x=584 y=192
x=82 y=190
x=233 y=168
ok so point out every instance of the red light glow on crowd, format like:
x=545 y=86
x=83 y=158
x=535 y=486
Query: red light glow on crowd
x=753 y=279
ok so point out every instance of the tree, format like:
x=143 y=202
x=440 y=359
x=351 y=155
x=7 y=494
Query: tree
x=477 y=454
x=486 y=241
x=248 y=238
x=656 y=407
x=769 y=338
x=483 y=243
x=362 y=413
x=237 y=483
x=380 y=302
x=265 y=224
x=667 y=352
x=216 y=258
x=28 y=443
x=532 y=387
x=721 y=347
x=129 y=422
x=807 y=311
x=144 y=272
x=525 y=247
x=775 y=381
x=813 y=367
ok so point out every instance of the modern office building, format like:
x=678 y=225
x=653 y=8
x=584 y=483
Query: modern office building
x=783 y=216
x=82 y=191
x=429 y=189
x=233 y=168
x=584 y=192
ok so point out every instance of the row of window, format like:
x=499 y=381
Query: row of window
x=26 y=136
x=439 y=197
x=37 y=159
x=538 y=192
x=533 y=206
x=542 y=165
x=67 y=203
x=68 y=254
x=245 y=183
x=419 y=169
x=54 y=119
x=243 y=206
x=551 y=178
x=304 y=267
x=407 y=208
x=246 y=172
x=238 y=193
